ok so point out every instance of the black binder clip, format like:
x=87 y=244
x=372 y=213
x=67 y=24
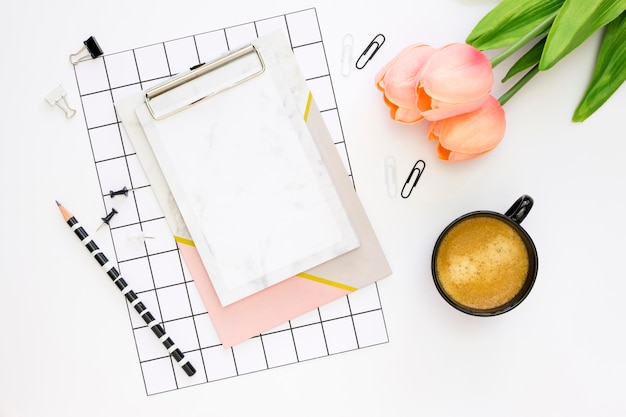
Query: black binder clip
x=414 y=177
x=90 y=50
x=370 y=51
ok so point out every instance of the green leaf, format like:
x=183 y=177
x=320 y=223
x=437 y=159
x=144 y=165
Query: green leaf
x=528 y=60
x=610 y=70
x=576 y=21
x=509 y=21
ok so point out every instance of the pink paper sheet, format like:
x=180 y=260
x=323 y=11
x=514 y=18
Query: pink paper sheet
x=262 y=311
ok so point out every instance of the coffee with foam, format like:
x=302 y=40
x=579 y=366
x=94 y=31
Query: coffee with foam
x=482 y=262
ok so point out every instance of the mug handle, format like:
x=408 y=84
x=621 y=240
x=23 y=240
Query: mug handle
x=520 y=209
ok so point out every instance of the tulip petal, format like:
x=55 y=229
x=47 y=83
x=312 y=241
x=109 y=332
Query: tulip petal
x=433 y=131
x=398 y=79
x=407 y=116
x=459 y=157
x=457 y=73
x=403 y=115
x=401 y=94
x=380 y=75
x=441 y=111
x=447 y=155
x=442 y=153
x=475 y=132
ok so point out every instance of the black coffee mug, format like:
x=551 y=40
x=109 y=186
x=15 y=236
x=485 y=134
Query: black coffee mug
x=484 y=263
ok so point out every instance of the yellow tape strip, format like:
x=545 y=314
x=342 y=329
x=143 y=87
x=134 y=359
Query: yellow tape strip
x=326 y=281
x=321 y=280
x=184 y=241
x=308 y=106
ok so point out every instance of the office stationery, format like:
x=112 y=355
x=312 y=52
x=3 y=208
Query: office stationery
x=122 y=191
x=256 y=197
x=107 y=219
x=346 y=54
x=372 y=48
x=391 y=182
x=128 y=293
x=140 y=236
x=90 y=50
x=161 y=267
x=413 y=178
x=239 y=321
x=57 y=97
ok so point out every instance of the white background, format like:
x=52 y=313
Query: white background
x=559 y=354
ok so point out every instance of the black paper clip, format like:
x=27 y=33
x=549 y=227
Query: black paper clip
x=414 y=176
x=370 y=51
x=90 y=50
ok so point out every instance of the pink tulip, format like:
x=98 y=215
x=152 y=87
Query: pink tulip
x=398 y=81
x=456 y=79
x=469 y=135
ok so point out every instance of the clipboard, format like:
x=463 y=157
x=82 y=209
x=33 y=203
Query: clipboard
x=303 y=291
x=246 y=175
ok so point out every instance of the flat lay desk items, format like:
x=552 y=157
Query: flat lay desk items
x=130 y=295
x=305 y=210
x=263 y=213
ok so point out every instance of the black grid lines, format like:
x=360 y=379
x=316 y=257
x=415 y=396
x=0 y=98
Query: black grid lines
x=145 y=250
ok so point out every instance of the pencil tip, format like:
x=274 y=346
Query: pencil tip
x=66 y=214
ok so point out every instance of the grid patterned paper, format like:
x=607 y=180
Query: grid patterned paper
x=145 y=250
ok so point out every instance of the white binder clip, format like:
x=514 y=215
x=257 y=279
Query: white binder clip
x=57 y=98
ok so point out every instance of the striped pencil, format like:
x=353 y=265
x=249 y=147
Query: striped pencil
x=130 y=295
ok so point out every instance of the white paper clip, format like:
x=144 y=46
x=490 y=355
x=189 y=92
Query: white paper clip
x=346 y=54
x=57 y=98
x=390 y=176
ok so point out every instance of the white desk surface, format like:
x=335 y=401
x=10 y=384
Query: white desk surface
x=63 y=351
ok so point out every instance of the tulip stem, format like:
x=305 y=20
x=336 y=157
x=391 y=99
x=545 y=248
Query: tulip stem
x=538 y=30
x=518 y=85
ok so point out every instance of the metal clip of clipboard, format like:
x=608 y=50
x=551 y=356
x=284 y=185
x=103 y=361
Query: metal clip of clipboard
x=217 y=76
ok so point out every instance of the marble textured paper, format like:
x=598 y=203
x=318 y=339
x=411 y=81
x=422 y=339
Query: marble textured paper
x=251 y=185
